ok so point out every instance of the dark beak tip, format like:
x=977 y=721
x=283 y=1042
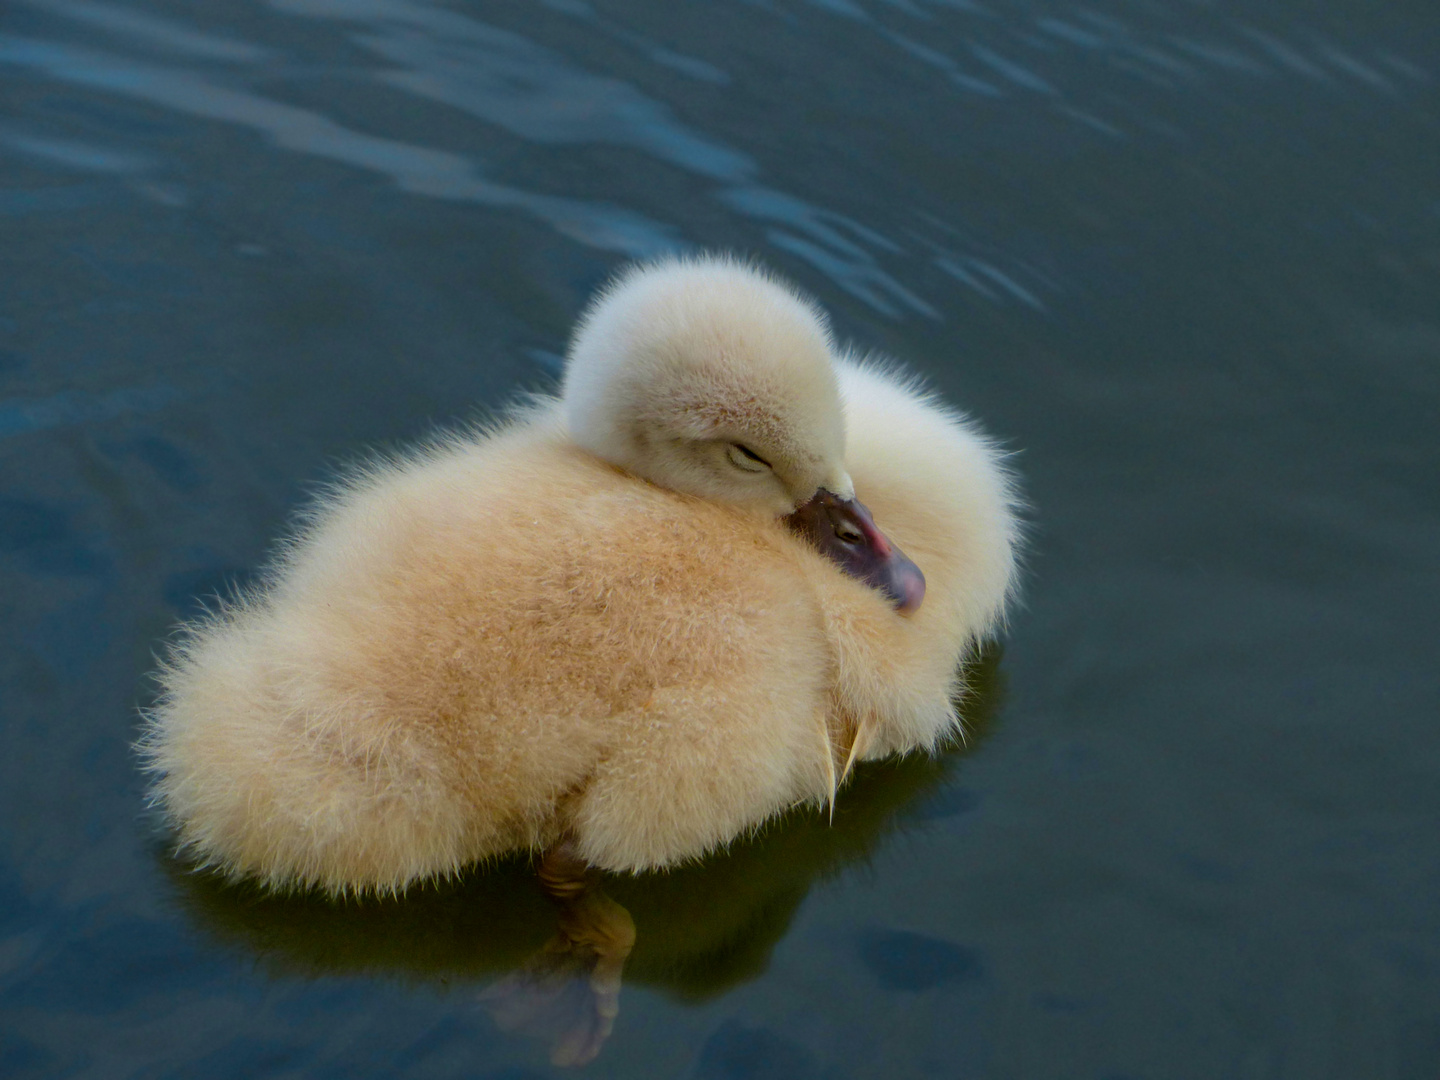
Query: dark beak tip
x=909 y=590
x=912 y=602
x=874 y=560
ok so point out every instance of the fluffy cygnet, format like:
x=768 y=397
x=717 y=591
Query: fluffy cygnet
x=639 y=619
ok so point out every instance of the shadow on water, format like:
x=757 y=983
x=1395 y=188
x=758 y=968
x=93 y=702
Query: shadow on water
x=699 y=930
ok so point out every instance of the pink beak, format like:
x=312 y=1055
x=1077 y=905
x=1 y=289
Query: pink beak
x=844 y=531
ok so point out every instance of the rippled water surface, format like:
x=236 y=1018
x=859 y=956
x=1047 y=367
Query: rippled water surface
x=1184 y=257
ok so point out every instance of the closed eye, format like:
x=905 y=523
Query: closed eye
x=742 y=457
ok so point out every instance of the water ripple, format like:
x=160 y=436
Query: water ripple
x=945 y=63
x=1009 y=69
x=1348 y=64
x=691 y=66
x=72 y=154
x=1286 y=55
x=1073 y=34
x=153 y=30
x=825 y=247
x=413 y=168
x=1219 y=55
x=507 y=80
x=503 y=78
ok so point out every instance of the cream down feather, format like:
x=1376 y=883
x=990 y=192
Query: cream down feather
x=590 y=621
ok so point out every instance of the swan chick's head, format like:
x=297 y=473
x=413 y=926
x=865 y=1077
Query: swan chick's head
x=708 y=377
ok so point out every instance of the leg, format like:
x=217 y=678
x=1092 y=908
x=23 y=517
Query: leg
x=564 y=874
x=569 y=992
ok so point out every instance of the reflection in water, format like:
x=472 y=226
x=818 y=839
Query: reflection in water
x=697 y=931
x=568 y=994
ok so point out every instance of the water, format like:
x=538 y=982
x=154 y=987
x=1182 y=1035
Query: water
x=1185 y=258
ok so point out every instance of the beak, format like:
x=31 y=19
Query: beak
x=844 y=531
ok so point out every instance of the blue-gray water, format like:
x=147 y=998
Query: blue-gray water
x=1184 y=257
